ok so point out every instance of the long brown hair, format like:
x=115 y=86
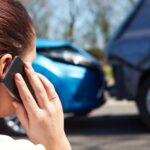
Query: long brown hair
x=16 y=28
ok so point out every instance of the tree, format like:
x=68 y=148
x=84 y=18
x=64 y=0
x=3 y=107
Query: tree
x=89 y=23
x=40 y=12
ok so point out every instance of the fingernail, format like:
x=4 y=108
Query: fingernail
x=17 y=76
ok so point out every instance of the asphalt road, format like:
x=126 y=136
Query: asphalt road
x=115 y=126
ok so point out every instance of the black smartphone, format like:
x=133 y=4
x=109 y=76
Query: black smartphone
x=16 y=66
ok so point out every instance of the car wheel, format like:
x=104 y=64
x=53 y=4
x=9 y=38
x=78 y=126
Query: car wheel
x=13 y=126
x=143 y=101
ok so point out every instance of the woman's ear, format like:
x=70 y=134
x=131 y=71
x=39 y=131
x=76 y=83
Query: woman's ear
x=5 y=61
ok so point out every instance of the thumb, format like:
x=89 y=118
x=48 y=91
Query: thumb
x=21 y=114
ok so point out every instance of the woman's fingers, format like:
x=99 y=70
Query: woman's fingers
x=48 y=87
x=26 y=97
x=52 y=95
x=40 y=93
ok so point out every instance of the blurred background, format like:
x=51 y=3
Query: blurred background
x=96 y=52
x=89 y=24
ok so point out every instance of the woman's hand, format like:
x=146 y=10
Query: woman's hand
x=43 y=120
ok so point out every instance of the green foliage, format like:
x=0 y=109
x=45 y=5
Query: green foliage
x=107 y=70
x=97 y=53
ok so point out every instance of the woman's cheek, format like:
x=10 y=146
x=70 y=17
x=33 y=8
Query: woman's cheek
x=6 y=107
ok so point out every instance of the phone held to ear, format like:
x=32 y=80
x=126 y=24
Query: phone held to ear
x=16 y=66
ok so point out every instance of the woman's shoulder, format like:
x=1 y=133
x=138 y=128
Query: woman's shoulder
x=8 y=143
x=5 y=138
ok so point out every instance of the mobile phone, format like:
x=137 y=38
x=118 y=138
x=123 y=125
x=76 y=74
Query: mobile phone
x=16 y=66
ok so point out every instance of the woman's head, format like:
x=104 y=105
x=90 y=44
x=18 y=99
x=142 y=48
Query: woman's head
x=17 y=37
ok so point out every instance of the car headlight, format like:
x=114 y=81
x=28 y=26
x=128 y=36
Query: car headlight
x=69 y=55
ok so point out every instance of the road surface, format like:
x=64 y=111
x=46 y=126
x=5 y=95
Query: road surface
x=115 y=126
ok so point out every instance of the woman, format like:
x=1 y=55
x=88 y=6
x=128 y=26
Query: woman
x=43 y=121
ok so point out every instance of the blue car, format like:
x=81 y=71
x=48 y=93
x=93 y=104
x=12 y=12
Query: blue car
x=76 y=75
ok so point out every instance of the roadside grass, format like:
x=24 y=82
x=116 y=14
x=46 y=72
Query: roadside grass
x=107 y=70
